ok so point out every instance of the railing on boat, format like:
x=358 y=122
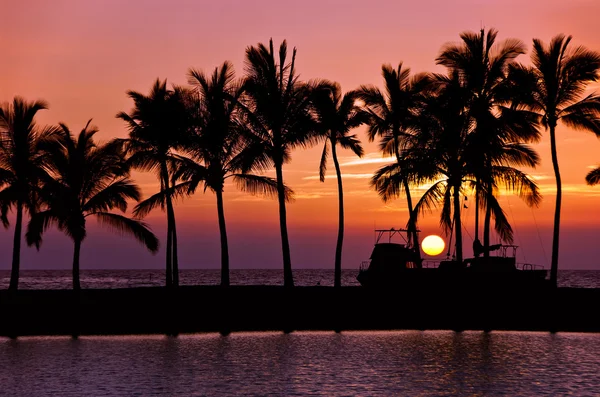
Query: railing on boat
x=364 y=265
x=529 y=266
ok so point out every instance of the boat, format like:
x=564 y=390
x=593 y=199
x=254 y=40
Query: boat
x=396 y=262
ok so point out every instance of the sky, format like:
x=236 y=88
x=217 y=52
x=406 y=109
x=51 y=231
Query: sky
x=82 y=57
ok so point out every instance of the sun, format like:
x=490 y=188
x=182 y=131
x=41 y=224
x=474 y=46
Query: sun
x=433 y=245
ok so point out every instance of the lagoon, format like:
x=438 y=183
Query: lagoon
x=411 y=363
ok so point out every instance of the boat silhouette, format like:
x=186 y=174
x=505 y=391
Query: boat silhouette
x=399 y=264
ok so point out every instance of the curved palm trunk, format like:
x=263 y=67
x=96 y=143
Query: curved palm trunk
x=288 y=278
x=174 y=248
x=76 y=252
x=412 y=219
x=477 y=192
x=457 y=225
x=224 y=246
x=487 y=225
x=555 y=237
x=340 y=239
x=169 y=267
x=16 y=259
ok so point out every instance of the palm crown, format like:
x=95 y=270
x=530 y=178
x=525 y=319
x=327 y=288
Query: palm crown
x=87 y=180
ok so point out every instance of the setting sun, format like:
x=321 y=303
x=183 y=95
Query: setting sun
x=433 y=245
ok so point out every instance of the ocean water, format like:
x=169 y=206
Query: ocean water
x=411 y=363
x=57 y=279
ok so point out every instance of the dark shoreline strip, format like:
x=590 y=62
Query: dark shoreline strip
x=269 y=308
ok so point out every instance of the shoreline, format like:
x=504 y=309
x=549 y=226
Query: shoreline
x=200 y=309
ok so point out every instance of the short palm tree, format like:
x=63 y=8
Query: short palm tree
x=87 y=180
x=482 y=65
x=157 y=124
x=337 y=115
x=558 y=80
x=23 y=163
x=393 y=113
x=278 y=109
x=219 y=149
x=593 y=177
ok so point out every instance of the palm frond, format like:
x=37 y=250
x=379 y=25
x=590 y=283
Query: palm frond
x=134 y=227
x=593 y=177
x=260 y=185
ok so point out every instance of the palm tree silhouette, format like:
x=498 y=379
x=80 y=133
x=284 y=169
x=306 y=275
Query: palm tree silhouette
x=393 y=112
x=87 y=180
x=556 y=86
x=157 y=124
x=278 y=108
x=221 y=148
x=482 y=65
x=593 y=177
x=23 y=163
x=337 y=115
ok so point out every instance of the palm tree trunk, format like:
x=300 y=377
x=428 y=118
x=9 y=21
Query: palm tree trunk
x=76 y=251
x=224 y=246
x=487 y=224
x=412 y=219
x=340 y=239
x=477 y=192
x=288 y=277
x=457 y=224
x=174 y=249
x=165 y=186
x=16 y=259
x=412 y=223
x=555 y=238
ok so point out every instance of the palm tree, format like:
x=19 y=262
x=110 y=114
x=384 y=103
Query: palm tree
x=87 y=180
x=23 y=163
x=337 y=115
x=393 y=113
x=443 y=153
x=157 y=124
x=557 y=83
x=593 y=177
x=482 y=65
x=278 y=108
x=219 y=149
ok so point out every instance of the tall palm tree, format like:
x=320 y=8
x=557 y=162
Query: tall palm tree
x=393 y=112
x=219 y=149
x=593 y=177
x=278 y=108
x=337 y=115
x=87 y=180
x=157 y=124
x=558 y=80
x=23 y=163
x=482 y=65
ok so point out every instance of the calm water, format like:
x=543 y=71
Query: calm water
x=298 y=364
x=56 y=279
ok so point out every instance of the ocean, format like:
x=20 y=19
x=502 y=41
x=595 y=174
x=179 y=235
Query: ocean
x=61 y=279
x=403 y=363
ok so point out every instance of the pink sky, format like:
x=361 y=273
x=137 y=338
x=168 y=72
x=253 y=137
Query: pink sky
x=82 y=56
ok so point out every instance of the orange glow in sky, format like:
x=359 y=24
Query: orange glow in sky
x=82 y=57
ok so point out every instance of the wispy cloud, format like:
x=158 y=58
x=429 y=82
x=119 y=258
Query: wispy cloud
x=389 y=208
x=313 y=195
x=344 y=176
x=540 y=177
x=579 y=189
x=368 y=159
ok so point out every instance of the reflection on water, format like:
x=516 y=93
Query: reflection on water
x=407 y=363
